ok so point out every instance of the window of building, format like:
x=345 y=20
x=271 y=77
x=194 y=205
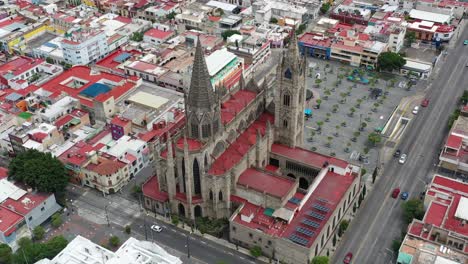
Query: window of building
x=30 y=218
x=250 y=235
x=42 y=209
x=194 y=130
x=269 y=242
x=286 y=99
x=285 y=123
x=234 y=228
x=110 y=182
x=206 y=130
x=288 y=74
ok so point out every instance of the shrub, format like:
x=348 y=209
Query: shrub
x=114 y=241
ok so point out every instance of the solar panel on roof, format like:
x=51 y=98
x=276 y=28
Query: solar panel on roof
x=321 y=208
x=122 y=57
x=311 y=223
x=294 y=200
x=305 y=231
x=298 y=240
x=322 y=200
x=316 y=215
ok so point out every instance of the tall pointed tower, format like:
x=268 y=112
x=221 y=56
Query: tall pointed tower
x=290 y=96
x=202 y=103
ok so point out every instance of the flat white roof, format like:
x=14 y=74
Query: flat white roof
x=218 y=60
x=149 y=100
x=125 y=144
x=417 y=65
x=442 y=260
x=462 y=209
x=9 y=190
x=429 y=16
x=223 y=6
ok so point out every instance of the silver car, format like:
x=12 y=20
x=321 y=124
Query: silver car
x=402 y=159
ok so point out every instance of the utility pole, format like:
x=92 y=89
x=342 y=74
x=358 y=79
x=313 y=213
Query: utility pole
x=107 y=215
x=188 y=245
x=144 y=226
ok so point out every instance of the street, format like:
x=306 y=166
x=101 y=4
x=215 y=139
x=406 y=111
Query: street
x=116 y=211
x=379 y=220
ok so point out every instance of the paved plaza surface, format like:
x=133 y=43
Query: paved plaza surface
x=346 y=106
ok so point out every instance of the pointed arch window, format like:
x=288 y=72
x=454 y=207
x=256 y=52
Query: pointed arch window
x=196 y=177
x=194 y=130
x=288 y=74
x=285 y=123
x=220 y=196
x=211 y=195
x=286 y=99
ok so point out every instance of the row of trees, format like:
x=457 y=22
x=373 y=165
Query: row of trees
x=30 y=252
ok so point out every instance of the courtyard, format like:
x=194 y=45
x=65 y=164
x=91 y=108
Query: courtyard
x=348 y=105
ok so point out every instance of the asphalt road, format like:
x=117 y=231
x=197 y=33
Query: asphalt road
x=122 y=211
x=379 y=220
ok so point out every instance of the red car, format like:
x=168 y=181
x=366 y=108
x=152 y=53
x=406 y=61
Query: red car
x=348 y=258
x=425 y=102
x=396 y=192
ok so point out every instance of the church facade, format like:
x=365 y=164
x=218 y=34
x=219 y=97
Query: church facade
x=239 y=157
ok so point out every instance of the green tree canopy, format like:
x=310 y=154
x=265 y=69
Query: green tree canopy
x=5 y=254
x=32 y=252
x=171 y=15
x=256 y=251
x=413 y=208
x=39 y=170
x=374 y=138
x=137 y=36
x=227 y=33
x=324 y=8
x=410 y=37
x=114 y=241
x=273 y=20
x=38 y=232
x=390 y=61
x=320 y=260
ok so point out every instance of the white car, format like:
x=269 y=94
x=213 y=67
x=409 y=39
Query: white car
x=156 y=228
x=402 y=159
x=416 y=110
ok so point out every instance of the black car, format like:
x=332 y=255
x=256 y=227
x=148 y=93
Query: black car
x=397 y=153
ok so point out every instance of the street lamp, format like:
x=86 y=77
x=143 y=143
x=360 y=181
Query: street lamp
x=187 y=244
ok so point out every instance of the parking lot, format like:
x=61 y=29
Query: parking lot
x=353 y=103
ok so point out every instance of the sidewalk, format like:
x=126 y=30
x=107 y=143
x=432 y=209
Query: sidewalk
x=207 y=236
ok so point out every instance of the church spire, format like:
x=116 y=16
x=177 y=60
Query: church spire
x=201 y=94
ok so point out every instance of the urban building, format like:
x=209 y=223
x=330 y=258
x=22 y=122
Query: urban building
x=157 y=36
x=106 y=173
x=453 y=156
x=132 y=251
x=238 y=157
x=440 y=237
x=84 y=47
x=21 y=211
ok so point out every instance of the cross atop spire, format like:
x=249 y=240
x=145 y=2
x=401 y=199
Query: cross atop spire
x=201 y=95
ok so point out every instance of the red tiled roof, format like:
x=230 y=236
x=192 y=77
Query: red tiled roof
x=19 y=65
x=345 y=47
x=106 y=166
x=130 y=157
x=260 y=221
x=193 y=144
x=8 y=220
x=99 y=136
x=109 y=62
x=151 y=189
x=450 y=183
x=158 y=34
x=3 y=172
x=63 y=120
x=435 y=214
x=332 y=188
x=83 y=72
x=454 y=142
x=236 y=103
x=266 y=183
x=312 y=39
x=76 y=155
x=25 y=204
x=214 y=18
x=120 y=121
x=416 y=228
x=307 y=157
x=237 y=149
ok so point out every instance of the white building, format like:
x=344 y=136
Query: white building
x=429 y=16
x=82 y=47
x=265 y=10
x=131 y=150
x=82 y=251
x=60 y=108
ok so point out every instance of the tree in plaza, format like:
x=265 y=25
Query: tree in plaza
x=390 y=61
x=320 y=260
x=343 y=226
x=56 y=220
x=114 y=241
x=38 y=233
x=5 y=254
x=273 y=20
x=413 y=208
x=318 y=101
x=363 y=126
x=410 y=37
x=39 y=170
x=256 y=251
x=374 y=138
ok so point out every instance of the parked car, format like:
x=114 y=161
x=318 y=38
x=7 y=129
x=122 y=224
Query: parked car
x=348 y=258
x=402 y=159
x=415 y=110
x=404 y=196
x=465 y=42
x=397 y=153
x=425 y=102
x=395 y=192
x=156 y=228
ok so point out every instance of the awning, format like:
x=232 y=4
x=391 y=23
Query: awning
x=268 y=211
x=308 y=111
x=284 y=214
